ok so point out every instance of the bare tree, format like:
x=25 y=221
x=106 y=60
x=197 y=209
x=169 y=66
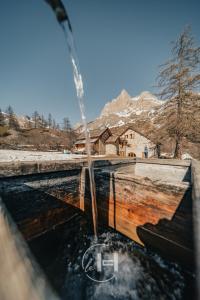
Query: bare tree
x=177 y=79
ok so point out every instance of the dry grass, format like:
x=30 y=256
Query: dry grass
x=37 y=139
x=4 y=131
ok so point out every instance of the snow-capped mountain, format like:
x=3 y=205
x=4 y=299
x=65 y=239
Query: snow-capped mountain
x=127 y=109
x=125 y=105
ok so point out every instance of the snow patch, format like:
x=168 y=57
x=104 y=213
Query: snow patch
x=18 y=155
x=120 y=123
x=186 y=156
x=138 y=112
x=124 y=113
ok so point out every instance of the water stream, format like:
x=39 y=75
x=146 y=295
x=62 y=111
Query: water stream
x=78 y=81
x=65 y=23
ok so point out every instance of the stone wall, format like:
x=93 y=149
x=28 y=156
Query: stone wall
x=136 y=144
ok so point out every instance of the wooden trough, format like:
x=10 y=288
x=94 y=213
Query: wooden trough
x=149 y=201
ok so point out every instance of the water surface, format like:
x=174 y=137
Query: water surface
x=142 y=273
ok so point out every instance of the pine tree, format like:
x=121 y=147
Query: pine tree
x=35 y=118
x=29 y=125
x=2 y=120
x=177 y=79
x=12 y=120
x=44 y=122
x=50 y=120
x=9 y=110
x=54 y=124
x=66 y=125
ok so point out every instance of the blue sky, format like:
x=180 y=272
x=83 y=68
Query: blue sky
x=120 y=45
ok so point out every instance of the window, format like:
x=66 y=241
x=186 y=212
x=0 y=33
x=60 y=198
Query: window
x=131 y=154
x=126 y=136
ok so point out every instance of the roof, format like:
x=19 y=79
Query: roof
x=119 y=130
x=84 y=141
x=122 y=129
x=93 y=133
x=112 y=139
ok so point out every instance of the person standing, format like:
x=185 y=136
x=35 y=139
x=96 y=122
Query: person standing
x=146 y=151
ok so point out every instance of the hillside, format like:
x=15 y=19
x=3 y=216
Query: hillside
x=34 y=133
x=37 y=139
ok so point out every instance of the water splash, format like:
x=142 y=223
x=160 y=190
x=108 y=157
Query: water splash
x=80 y=95
x=142 y=274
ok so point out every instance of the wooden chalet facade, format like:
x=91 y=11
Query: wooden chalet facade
x=98 y=138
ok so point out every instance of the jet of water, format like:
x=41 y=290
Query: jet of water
x=64 y=21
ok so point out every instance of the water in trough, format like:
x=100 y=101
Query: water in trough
x=141 y=274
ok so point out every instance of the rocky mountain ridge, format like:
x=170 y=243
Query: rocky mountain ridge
x=125 y=105
x=126 y=109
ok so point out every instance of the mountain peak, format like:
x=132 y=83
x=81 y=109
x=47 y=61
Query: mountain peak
x=148 y=99
x=124 y=93
x=124 y=103
x=118 y=104
x=147 y=95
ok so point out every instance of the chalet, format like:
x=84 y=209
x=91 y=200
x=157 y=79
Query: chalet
x=127 y=141
x=122 y=141
x=98 y=138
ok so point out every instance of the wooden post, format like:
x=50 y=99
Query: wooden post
x=82 y=188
